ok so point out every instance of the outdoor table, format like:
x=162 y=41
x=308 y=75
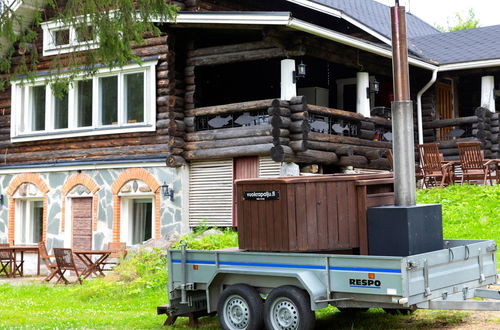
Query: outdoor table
x=22 y=250
x=92 y=267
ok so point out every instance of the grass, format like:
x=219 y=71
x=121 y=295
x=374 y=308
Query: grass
x=469 y=212
x=128 y=299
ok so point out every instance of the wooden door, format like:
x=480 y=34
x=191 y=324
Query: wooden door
x=81 y=210
x=243 y=168
x=445 y=108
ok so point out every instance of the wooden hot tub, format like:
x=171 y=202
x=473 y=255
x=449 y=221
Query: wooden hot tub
x=309 y=213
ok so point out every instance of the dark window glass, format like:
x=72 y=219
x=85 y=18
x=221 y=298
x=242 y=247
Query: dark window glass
x=61 y=37
x=134 y=97
x=61 y=111
x=142 y=221
x=38 y=108
x=109 y=100
x=84 y=108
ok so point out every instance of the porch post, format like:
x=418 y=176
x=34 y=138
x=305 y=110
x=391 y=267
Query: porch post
x=488 y=93
x=288 y=85
x=362 y=94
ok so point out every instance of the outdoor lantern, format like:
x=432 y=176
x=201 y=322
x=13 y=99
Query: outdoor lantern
x=167 y=192
x=375 y=86
x=300 y=72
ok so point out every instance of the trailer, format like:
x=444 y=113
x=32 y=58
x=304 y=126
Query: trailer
x=282 y=290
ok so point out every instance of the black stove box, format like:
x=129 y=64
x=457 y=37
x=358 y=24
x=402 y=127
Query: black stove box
x=404 y=230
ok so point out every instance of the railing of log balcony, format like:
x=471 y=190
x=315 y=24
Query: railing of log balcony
x=483 y=127
x=288 y=131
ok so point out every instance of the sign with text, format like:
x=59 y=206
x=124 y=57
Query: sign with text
x=272 y=195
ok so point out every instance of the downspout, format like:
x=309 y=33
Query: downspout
x=419 y=106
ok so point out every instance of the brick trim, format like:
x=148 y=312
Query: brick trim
x=19 y=179
x=86 y=181
x=126 y=176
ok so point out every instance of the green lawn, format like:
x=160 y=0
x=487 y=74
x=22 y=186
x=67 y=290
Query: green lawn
x=129 y=298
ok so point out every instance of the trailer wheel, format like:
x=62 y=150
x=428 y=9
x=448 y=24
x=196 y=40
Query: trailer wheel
x=287 y=308
x=240 y=307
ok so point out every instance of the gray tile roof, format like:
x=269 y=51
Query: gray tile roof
x=377 y=17
x=459 y=46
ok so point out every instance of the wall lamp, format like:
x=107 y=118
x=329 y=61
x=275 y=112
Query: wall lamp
x=374 y=88
x=166 y=192
x=300 y=72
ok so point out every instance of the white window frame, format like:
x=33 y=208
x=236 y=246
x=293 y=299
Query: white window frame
x=19 y=219
x=126 y=210
x=21 y=107
x=49 y=42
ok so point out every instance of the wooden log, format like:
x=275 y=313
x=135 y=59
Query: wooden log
x=279 y=132
x=453 y=143
x=334 y=112
x=280 y=122
x=244 y=56
x=229 y=108
x=277 y=103
x=339 y=149
x=483 y=135
x=175 y=161
x=189 y=121
x=300 y=145
x=369 y=152
x=495 y=130
x=229 y=133
x=355 y=161
x=228 y=152
x=366 y=134
x=300 y=126
x=279 y=111
x=449 y=151
x=348 y=140
x=281 y=140
x=177 y=125
x=299 y=136
x=175 y=101
x=162 y=123
x=248 y=141
x=176 y=142
x=281 y=153
x=380 y=164
x=301 y=99
x=207 y=51
x=298 y=108
x=296 y=116
x=367 y=125
x=316 y=156
x=379 y=121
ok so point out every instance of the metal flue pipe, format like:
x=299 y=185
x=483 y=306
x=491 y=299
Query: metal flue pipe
x=402 y=114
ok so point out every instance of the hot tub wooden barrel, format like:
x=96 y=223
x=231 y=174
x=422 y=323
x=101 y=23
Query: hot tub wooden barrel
x=309 y=213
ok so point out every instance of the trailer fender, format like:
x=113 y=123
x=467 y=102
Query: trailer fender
x=268 y=279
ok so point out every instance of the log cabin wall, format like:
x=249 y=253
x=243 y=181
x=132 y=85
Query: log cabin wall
x=113 y=146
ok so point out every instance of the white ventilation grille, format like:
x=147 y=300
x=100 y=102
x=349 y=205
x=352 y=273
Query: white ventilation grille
x=268 y=168
x=211 y=193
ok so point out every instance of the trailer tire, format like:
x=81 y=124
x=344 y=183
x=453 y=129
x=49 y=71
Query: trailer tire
x=240 y=307
x=288 y=307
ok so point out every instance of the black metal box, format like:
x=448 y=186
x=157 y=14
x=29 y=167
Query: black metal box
x=404 y=230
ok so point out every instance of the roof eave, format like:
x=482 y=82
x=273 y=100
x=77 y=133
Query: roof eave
x=340 y=14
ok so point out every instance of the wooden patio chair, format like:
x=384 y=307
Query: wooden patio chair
x=65 y=261
x=6 y=260
x=47 y=261
x=434 y=168
x=474 y=166
x=119 y=252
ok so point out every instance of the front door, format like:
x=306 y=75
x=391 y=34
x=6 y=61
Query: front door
x=81 y=210
x=445 y=108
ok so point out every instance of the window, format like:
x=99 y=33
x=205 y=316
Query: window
x=119 y=101
x=29 y=221
x=137 y=220
x=59 y=38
